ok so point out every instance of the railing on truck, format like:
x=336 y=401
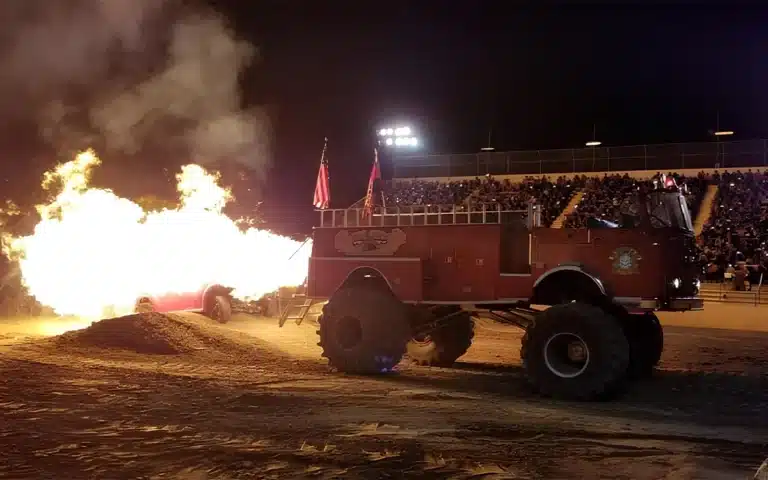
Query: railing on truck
x=414 y=215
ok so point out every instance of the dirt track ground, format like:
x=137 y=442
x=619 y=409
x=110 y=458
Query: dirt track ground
x=253 y=401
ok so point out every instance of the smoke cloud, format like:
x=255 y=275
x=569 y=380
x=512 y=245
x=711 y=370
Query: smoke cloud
x=128 y=74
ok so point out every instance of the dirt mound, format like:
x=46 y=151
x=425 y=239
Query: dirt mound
x=157 y=334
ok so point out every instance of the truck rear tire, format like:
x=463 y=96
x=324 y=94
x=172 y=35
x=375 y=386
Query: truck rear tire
x=363 y=330
x=646 y=343
x=575 y=351
x=447 y=342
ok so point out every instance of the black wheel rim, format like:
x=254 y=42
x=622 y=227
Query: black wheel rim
x=566 y=355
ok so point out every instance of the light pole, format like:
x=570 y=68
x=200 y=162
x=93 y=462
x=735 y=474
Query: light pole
x=487 y=150
x=592 y=144
x=717 y=133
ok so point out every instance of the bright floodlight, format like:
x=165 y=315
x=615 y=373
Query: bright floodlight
x=402 y=142
x=723 y=133
x=398 y=137
x=593 y=143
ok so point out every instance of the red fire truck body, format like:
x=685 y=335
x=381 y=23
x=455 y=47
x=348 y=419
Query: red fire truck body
x=489 y=263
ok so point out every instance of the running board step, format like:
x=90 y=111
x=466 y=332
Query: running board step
x=296 y=309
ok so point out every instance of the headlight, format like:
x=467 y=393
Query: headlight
x=676 y=282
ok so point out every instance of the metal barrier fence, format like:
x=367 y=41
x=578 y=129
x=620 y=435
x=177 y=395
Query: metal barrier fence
x=662 y=157
x=724 y=292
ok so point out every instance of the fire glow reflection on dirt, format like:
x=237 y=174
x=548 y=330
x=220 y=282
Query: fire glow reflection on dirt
x=93 y=251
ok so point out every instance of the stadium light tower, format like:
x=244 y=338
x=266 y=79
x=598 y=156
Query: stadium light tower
x=398 y=137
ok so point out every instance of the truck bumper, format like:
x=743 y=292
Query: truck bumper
x=684 y=304
x=679 y=304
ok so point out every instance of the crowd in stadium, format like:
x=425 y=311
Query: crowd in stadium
x=612 y=196
x=734 y=238
x=731 y=243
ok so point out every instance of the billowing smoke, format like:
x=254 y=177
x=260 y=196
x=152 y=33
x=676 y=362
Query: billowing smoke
x=200 y=89
x=50 y=45
x=125 y=74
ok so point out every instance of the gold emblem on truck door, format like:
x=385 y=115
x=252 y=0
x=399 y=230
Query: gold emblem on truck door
x=626 y=261
x=369 y=242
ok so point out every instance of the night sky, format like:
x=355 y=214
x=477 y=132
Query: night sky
x=539 y=78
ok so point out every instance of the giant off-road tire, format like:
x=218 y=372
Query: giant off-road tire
x=575 y=351
x=219 y=308
x=449 y=340
x=363 y=330
x=646 y=344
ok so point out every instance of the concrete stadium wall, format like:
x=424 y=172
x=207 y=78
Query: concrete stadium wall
x=638 y=174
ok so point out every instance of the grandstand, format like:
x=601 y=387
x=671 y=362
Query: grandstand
x=726 y=182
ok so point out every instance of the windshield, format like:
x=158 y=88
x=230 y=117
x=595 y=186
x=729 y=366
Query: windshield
x=668 y=209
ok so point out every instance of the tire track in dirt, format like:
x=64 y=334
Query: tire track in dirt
x=108 y=414
x=117 y=426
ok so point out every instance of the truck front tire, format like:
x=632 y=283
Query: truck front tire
x=363 y=330
x=646 y=343
x=575 y=351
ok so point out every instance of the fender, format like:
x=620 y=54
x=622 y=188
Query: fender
x=547 y=292
x=366 y=274
x=572 y=268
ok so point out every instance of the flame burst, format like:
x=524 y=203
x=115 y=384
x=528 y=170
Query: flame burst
x=93 y=250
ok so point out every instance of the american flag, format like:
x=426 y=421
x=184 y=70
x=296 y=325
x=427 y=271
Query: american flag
x=322 y=188
x=372 y=180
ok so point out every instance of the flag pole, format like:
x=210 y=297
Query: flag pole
x=322 y=155
x=381 y=182
x=322 y=196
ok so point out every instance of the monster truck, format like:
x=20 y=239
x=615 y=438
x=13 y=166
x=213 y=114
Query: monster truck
x=399 y=282
x=214 y=301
